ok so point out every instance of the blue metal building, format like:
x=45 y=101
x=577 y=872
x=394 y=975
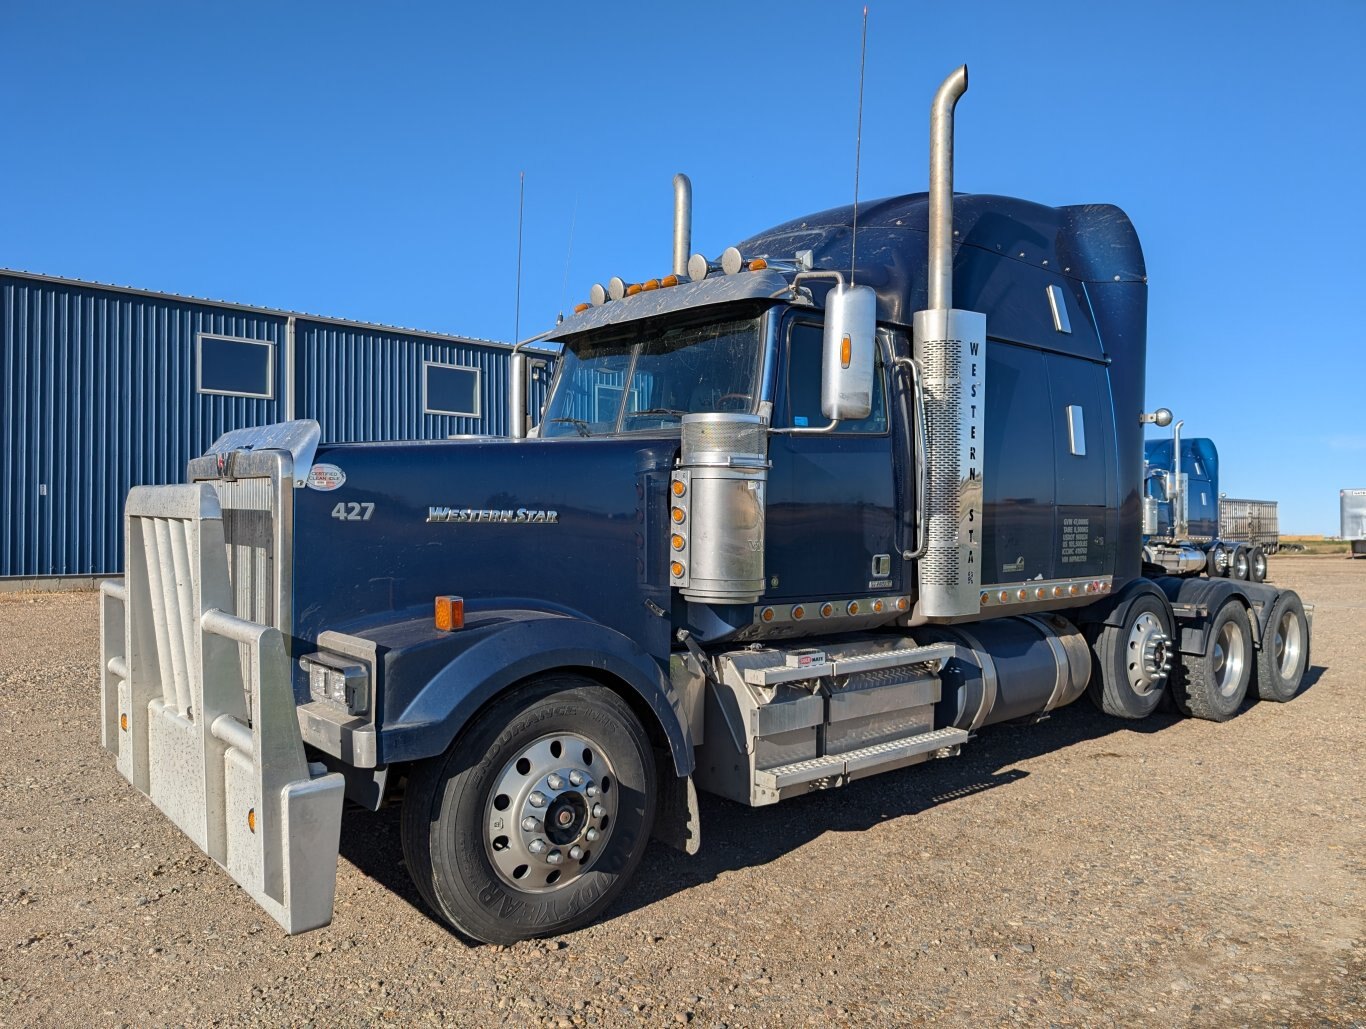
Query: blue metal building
x=107 y=387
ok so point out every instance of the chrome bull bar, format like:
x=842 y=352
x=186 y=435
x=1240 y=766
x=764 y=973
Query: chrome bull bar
x=200 y=713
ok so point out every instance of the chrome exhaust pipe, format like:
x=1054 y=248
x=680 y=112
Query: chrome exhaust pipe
x=950 y=345
x=941 y=188
x=682 y=223
x=1180 y=523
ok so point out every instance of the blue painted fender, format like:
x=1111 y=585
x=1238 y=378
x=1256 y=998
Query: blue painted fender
x=435 y=683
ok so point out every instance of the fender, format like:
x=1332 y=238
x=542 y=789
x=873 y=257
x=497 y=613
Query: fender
x=1206 y=596
x=434 y=683
x=1114 y=610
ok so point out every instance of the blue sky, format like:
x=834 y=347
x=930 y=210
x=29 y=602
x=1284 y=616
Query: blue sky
x=361 y=160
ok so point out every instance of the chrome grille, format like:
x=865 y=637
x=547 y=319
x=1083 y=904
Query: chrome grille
x=249 y=530
x=170 y=593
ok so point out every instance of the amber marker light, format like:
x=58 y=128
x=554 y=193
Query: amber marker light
x=1057 y=591
x=580 y=308
x=676 y=569
x=758 y=264
x=123 y=722
x=678 y=487
x=1074 y=589
x=676 y=541
x=1041 y=593
x=766 y=614
x=678 y=515
x=853 y=607
x=251 y=819
x=846 y=351
x=877 y=607
x=984 y=599
x=903 y=604
x=798 y=613
x=450 y=613
x=827 y=610
x=669 y=280
x=1022 y=595
x=633 y=289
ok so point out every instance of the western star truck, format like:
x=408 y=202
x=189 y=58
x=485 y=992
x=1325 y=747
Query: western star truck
x=1188 y=527
x=826 y=508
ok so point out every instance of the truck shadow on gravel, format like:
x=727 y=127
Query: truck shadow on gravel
x=735 y=837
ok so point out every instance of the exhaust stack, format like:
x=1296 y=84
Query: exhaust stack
x=950 y=347
x=682 y=223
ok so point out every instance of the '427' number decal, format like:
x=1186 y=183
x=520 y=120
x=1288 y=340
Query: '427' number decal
x=353 y=512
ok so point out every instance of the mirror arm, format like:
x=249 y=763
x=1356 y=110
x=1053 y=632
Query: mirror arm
x=798 y=430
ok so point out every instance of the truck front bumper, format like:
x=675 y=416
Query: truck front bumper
x=199 y=711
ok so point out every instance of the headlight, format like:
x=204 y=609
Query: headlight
x=337 y=681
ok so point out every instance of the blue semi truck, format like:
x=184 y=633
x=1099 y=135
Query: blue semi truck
x=811 y=512
x=1189 y=527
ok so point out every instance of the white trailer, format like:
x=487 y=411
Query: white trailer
x=1354 y=519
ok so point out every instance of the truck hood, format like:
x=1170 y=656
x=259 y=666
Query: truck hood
x=567 y=525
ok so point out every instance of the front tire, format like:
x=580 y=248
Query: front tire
x=1284 y=657
x=1213 y=684
x=1132 y=659
x=534 y=820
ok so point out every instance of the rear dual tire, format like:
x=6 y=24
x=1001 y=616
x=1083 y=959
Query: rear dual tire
x=1214 y=684
x=1284 y=657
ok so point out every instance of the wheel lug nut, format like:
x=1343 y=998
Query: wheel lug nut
x=529 y=824
x=599 y=811
x=592 y=835
x=536 y=846
x=555 y=782
x=592 y=790
x=576 y=777
x=537 y=799
x=554 y=857
x=576 y=852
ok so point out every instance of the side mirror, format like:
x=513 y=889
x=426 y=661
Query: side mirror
x=849 y=352
x=1157 y=487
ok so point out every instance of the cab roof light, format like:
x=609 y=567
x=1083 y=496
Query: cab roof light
x=758 y=264
x=633 y=289
x=669 y=280
x=650 y=284
x=450 y=613
x=580 y=308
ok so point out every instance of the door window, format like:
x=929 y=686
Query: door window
x=804 y=344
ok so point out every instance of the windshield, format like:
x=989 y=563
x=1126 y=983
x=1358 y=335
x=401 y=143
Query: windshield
x=650 y=379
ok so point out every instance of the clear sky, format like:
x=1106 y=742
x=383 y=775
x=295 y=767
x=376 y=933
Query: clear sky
x=361 y=160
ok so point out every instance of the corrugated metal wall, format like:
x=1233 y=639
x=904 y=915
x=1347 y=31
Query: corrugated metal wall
x=100 y=395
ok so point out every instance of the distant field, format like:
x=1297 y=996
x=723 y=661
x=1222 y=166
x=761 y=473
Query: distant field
x=1318 y=544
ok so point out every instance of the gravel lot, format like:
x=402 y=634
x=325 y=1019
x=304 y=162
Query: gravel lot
x=1083 y=871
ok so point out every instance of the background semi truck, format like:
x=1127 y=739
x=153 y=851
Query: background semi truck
x=792 y=518
x=1353 y=503
x=1189 y=528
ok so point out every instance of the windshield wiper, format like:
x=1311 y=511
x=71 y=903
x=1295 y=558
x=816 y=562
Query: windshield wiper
x=578 y=424
x=656 y=411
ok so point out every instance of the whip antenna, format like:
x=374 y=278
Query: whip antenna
x=858 y=145
x=517 y=310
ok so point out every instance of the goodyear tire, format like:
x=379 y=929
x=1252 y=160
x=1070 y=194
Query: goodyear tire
x=1132 y=659
x=1284 y=657
x=1257 y=564
x=1239 y=566
x=534 y=820
x=1214 y=684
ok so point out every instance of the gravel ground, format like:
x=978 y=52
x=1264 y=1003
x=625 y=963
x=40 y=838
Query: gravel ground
x=1082 y=871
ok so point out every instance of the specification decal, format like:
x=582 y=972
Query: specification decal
x=1076 y=538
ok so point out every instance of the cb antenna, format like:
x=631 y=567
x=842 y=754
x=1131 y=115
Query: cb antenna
x=858 y=145
x=517 y=310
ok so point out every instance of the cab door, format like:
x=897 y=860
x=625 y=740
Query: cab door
x=830 y=528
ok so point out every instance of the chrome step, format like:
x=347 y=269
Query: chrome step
x=856 y=763
x=851 y=664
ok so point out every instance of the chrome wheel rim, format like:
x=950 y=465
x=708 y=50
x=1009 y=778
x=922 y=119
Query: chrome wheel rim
x=1289 y=644
x=1240 y=566
x=1148 y=654
x=1259 y=566
x=1229 y=659
x=550 y=813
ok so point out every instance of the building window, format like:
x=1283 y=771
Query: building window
x=236 y=367
x=451 y=389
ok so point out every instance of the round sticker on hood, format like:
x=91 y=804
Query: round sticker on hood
x=325 y=477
